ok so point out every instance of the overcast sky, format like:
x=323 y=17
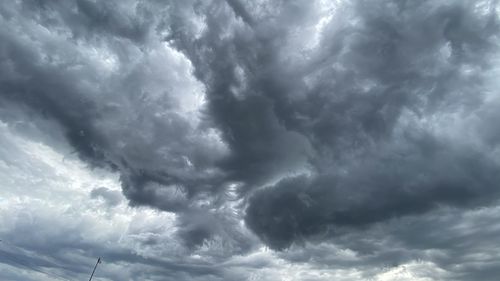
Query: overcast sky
x=250 y=140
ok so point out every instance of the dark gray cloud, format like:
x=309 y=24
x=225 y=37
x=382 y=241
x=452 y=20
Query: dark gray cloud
x=349 y=113
x=305 y=122
x=390 y=183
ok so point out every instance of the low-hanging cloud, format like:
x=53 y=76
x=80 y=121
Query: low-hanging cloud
x=301 y=118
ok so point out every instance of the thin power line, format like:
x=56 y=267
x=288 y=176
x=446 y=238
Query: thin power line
x=15 y=259
x=22 y=263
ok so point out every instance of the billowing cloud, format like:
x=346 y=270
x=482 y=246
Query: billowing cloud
x=292 y=125
x=371 y=115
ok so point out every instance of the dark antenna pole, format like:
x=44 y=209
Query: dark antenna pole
x=98 y=262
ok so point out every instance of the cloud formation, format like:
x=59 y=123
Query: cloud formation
x=292 y=125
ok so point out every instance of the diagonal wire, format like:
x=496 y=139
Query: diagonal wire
x=15 y=259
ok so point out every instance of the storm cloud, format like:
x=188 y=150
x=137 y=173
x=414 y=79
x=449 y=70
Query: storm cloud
x=293 y=125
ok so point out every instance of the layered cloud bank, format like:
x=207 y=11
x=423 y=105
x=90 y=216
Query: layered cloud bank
x=234 y=140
